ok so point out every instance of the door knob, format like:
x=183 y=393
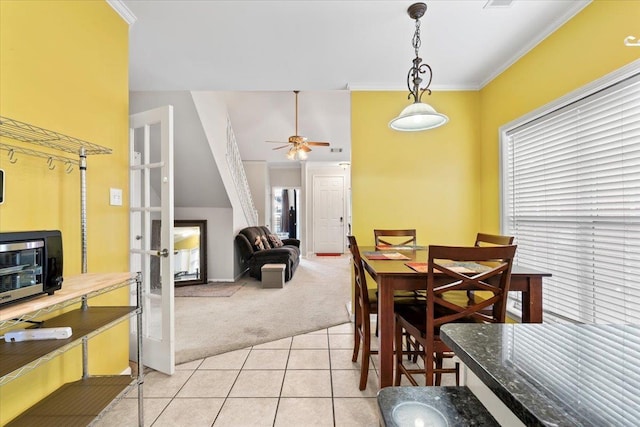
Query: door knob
x=164 y=253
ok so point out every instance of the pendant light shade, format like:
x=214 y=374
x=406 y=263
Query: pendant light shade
x=416 y=117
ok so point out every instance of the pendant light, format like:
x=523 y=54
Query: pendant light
x=418 y=116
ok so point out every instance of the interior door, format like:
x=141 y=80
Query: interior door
x=151 y=219
x=328 y=214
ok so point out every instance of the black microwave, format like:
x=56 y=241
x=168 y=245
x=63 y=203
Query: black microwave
x=30 y=264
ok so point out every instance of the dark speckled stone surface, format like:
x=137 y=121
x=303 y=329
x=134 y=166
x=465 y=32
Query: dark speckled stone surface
x=556 y=375
x=458 y=405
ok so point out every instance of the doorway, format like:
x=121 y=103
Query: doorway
x=285 y=216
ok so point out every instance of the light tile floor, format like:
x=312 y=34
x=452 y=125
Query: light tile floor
x=304 y=380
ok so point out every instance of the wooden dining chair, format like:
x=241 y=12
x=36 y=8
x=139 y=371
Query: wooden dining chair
x=392 y=237
x=452 y=269
x=395 y=237
x=366 y=302
x=483 y=239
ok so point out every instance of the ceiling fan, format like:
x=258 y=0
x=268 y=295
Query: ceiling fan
x=298 y=145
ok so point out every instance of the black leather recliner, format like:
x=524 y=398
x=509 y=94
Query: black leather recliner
x=253 y=257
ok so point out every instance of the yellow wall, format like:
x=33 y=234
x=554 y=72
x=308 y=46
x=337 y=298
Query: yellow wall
x=586 y=48
x=421 y=180
x=444 y=182
x=64 y=67
x=191 y=242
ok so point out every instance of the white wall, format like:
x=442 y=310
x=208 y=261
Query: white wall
x=213 y=115
x=220 y=240
x=286 y=177
x=193 y=160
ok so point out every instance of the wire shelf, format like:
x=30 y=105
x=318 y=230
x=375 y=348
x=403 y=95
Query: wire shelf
x=26 y=132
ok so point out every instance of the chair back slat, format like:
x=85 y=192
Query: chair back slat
x=478 y=268
x=483 y=239
x=395 y=237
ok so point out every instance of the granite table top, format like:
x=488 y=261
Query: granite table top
x=556 y=375
x=432 y=406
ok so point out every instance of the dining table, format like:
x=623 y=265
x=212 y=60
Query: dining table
x=389 y=269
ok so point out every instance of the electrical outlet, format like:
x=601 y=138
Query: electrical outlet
x=115 y=196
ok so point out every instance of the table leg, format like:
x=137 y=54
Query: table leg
x=532 y=301
x=386 y=323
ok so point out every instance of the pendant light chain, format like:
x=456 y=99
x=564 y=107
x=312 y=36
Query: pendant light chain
x=416 y=37
x=296 y=92
x=413 y=79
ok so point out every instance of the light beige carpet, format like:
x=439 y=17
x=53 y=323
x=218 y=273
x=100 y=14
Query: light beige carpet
x=211 y=289
x=314 y=299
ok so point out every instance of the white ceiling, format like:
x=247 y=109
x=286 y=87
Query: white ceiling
x=324 y=49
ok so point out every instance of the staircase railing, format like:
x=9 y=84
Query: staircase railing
x=239 y=177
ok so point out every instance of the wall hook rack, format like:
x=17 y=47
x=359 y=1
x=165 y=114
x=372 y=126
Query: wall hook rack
x=25 y=133
x=51 y=158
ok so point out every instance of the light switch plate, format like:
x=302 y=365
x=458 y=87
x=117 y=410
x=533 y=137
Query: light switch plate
x=115 y=196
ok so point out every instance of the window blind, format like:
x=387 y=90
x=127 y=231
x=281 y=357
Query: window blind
x=591 y=369
x=571 y=196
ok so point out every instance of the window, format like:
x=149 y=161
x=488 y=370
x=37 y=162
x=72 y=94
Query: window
x=571 y=196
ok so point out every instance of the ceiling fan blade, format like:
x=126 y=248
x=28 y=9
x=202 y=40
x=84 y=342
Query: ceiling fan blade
x=303 y=147
x=284 y=146
x=319 y=144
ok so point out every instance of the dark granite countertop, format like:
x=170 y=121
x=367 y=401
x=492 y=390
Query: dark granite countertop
x=458 y=405
x=556 y=375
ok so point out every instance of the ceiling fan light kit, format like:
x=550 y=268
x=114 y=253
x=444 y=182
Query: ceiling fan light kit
x=418 y=116
x=300 y=146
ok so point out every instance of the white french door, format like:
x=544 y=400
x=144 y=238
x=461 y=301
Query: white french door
x=151 y=233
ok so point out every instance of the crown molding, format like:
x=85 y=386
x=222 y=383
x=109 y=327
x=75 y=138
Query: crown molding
x=122 y=10
x=550 y=29
x=374 y=87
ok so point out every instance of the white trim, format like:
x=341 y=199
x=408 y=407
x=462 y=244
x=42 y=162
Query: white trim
x=122 y=10
x=373 y=87
x=553 y=26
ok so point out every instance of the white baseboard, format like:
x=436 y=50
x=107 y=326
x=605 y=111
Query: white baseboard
x=126 y=371
x=350 y=312
x=374 y=316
